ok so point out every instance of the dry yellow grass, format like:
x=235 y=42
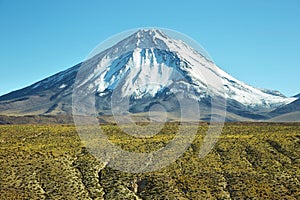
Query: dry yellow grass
x=250 y=161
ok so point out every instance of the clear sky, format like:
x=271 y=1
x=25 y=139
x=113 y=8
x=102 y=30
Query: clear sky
x=256 y=41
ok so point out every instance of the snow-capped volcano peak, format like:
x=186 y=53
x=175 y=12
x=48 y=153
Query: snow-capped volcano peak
x=148 y=62
x=149 y=38
x=144 y=59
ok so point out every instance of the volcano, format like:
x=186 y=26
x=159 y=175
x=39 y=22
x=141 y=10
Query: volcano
x=146 y=68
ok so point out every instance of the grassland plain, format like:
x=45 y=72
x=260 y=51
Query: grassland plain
x=249 y=161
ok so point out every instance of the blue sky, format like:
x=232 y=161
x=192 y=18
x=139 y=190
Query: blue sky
x=256 y=41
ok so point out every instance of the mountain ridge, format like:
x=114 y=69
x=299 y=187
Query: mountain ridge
x=297 y=95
